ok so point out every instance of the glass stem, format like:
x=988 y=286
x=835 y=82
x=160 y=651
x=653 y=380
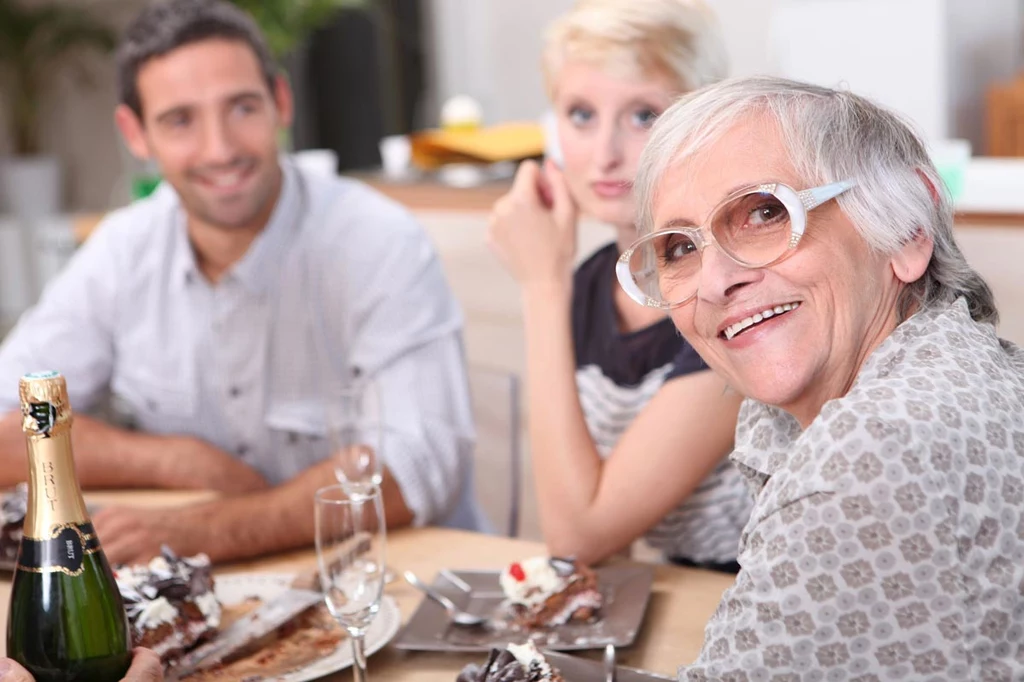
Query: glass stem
x=358 y=656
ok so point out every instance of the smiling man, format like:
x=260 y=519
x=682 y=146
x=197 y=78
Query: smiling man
x=219 y=311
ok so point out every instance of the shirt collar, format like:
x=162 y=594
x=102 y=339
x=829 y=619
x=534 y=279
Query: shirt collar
x=258 y=268
x=764 y=435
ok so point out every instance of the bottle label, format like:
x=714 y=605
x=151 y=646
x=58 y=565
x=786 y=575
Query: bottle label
x=63 y=552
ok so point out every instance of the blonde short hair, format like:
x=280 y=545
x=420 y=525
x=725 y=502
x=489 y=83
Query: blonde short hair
x=677 y=39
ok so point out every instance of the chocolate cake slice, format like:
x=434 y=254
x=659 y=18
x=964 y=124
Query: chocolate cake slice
x=170 y=603
x=12 y=521
x=517 y=663
x=543 y=592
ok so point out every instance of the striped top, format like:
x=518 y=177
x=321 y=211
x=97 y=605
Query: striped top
x=617 y=374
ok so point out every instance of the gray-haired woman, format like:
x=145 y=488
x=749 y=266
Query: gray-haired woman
x=804 y=246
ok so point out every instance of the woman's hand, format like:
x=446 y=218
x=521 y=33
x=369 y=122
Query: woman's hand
x=533 y=227
x=146 y=667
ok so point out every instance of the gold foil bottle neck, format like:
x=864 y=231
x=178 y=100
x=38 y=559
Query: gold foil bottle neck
x=45 y=408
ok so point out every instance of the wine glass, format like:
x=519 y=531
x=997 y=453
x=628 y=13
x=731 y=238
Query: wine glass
x=355 y=432
x=350 y=549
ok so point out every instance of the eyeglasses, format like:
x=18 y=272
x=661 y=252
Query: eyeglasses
x=755 y=227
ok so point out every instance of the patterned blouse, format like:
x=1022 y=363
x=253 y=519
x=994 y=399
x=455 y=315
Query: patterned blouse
x=887 y=539
x=617 y=374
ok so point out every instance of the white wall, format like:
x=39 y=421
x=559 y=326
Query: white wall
x=932 y=59
x=491 y=50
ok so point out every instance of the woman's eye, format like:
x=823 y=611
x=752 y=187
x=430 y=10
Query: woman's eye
x=766 y=214
x=644 y=118
x=677 y=247
x=580 y=116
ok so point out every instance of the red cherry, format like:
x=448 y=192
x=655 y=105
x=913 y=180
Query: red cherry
x=516 y=572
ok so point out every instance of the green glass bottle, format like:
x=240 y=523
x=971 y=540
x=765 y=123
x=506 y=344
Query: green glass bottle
x=66 y=620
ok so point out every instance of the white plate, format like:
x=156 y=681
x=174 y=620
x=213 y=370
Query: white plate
x=234 y=588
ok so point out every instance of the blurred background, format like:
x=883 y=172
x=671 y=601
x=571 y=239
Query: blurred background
x=364 y=69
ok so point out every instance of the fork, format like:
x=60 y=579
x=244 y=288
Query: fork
x=457 y=615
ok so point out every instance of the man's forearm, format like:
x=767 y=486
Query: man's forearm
x=110 y=457
x=282 y=518
x=105 y=456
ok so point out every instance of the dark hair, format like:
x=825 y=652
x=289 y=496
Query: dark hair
x=164 y=26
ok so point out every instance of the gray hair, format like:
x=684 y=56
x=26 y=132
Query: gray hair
x=832 y=136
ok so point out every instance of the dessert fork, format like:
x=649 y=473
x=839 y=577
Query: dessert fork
x=455 y=614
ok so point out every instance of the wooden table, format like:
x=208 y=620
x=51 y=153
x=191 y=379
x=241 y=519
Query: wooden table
x=672 y=633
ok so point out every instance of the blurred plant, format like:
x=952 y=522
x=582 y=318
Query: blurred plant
x=33 y=41
x=286 y=23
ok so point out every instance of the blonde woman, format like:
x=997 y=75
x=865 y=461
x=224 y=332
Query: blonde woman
x=629 y=432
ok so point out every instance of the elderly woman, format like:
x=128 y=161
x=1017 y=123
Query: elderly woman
x=613 y=458
x=802 y=243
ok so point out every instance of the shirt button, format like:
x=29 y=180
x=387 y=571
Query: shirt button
x=234 y=391
x=242 y=450
x=293 y=438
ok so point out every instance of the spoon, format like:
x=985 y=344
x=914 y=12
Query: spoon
x=609 y=663
x=457 y=615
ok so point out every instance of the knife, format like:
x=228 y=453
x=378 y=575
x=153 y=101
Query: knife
x=303 y=594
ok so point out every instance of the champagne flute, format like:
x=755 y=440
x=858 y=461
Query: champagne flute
x=350 y=548
x=354 y=428
x=356 y=432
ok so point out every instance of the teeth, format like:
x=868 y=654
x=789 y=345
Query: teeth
x=226 y=180
x=746 y=323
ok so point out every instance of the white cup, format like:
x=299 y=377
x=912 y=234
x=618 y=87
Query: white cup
x=396 y=155
x=318 y=161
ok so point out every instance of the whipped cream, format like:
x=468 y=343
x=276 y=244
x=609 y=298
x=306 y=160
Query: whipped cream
x=530 y=658
x=589 y=599
x=128 y=576
x=160 y=567
x=200 y=560
x=14 y=506
x=210 y=608
x=153 y=614
x=531 y=582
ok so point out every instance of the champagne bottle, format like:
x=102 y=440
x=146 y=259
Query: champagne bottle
x=66 y=619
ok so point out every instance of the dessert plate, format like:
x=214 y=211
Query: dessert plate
x=234 y=588
x=626 y=590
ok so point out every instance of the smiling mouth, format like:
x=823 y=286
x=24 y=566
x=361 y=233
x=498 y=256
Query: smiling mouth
x=229 y=178
x=743 y=325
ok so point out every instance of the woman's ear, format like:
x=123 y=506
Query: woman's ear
x=911 y=261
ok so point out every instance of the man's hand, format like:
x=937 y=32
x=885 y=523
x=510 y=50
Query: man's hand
x=146 y=667
x=197 y=465
x=134 y=536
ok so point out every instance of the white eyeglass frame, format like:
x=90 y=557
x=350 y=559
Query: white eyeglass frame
x=798 y=204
